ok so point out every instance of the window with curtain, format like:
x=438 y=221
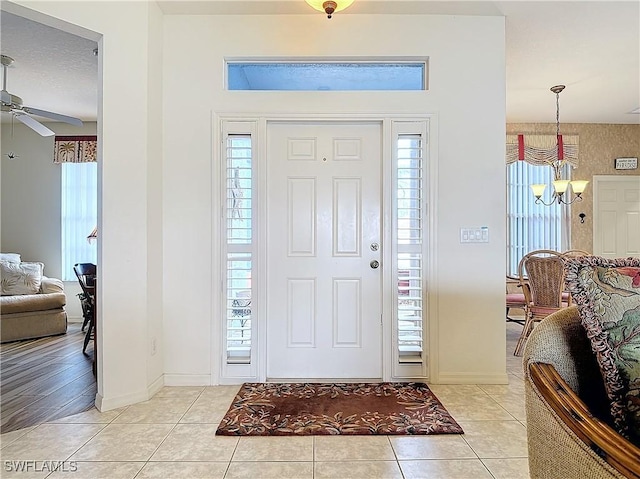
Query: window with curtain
x=79 y=200
x=532 y=226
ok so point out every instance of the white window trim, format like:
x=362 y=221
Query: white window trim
x=406 y=370
x=424 y=60
x=223 y=370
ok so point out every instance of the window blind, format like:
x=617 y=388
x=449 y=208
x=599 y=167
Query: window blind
x=409 y=211
x=239 y=236
x=532 y=226
x=79 y=215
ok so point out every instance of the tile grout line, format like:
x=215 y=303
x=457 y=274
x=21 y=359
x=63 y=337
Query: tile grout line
x=313 y=457
x=168 y=433
x=226 y=471
x=395 y=454
x=80 y=447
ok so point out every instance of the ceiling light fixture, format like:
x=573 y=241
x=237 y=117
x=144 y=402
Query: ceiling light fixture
x=560 y=185
x=329 y=6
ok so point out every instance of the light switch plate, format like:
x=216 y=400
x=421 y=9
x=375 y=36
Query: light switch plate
x=474 y=235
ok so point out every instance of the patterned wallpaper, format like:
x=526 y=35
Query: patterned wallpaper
x=600 y=145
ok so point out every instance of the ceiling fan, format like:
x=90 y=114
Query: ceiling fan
x=12 y=103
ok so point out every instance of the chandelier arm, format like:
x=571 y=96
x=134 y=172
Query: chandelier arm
x=540 y=200
x=577 y=198
x=560 y=200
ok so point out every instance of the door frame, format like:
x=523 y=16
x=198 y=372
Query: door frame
x=261 y=122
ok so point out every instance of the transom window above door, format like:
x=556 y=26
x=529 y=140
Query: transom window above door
x=344 y=75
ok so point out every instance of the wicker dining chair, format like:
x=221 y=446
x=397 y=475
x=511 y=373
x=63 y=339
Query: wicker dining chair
x=541 y=274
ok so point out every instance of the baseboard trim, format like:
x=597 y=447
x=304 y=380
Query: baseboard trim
x=108 y=404
x=155 y=386
x=469 y=378
x=187 y=380
x=98 y=403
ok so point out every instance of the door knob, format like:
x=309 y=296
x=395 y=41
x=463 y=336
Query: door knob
x=374 y=264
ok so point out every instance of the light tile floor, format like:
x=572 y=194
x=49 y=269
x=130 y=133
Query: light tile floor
x=173 y=436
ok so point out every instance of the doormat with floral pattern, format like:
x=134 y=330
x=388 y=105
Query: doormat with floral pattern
x=304 y=409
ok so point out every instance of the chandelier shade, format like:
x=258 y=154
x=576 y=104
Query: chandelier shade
x=578 y=186
x=329 y=6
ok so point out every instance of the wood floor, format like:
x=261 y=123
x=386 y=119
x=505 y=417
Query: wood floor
x=45 y=379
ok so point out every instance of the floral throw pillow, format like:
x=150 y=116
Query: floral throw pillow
x=607 y=293
x=20 y=278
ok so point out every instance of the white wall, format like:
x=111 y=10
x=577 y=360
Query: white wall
x=31 y=200
x=155 y=266
x=467 y=93
x=128 y=35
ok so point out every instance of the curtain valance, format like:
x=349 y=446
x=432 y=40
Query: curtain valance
x=543 y=149
x=75 y=149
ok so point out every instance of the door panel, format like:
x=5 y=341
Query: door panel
x=347 y=217
x=617 y=216
x=323 y=298
x=301 y=209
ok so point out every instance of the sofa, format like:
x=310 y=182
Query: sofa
x=569 y=425
x=31 y=305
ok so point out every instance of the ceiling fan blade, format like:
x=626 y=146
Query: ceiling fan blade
x=54 y=116
x=6 y=97
x=34 y=125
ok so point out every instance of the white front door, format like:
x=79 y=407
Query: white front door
x=323 y=295
x=616 y=211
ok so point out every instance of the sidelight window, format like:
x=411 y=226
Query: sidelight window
x=239 y=248
x=409 y=204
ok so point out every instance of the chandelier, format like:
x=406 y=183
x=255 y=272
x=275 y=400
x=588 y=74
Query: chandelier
x=560 y=186
x=329 y=6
